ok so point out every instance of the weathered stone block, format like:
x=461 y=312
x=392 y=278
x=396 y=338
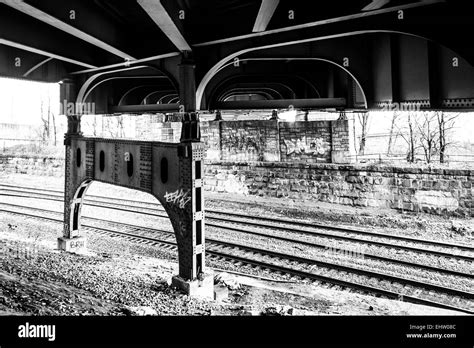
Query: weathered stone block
x=220 y=293
x=76 y=244
x=196 y=288
x=454 y=184
x=340 y=157
x=362 y=202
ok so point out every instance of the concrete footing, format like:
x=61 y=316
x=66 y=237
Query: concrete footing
x=75 y=244
x=196 y=288
x=220 y=293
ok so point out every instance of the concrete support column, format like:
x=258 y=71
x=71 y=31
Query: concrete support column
x=71 y=240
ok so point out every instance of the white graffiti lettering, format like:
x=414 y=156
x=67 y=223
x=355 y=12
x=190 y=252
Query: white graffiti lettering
x=316 y=146
x=179 y=197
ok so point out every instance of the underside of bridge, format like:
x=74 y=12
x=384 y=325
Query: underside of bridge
x=182 y=57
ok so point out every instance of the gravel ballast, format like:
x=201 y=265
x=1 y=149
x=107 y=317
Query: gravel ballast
x=122 y=277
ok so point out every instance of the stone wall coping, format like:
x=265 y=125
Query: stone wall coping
x=282 y=124
x=346 y=167
x=36 y=157
x=126 y=141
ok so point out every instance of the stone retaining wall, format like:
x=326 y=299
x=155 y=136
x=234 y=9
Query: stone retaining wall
x=274 y=141
x=436 y=191
x=32 y=165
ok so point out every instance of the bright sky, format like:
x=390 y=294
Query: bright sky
x=380 y=121
x=20 y=101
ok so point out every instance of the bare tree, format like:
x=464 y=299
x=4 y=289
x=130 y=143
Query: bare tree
x=433 y=129
x=55 y=131
x=363 y=120
x=108 y=128
x=120 y=128
x=45 y=123
x=429 y=135
x=354 y=136
x=48 y=122
x=94 y=126
x=395 y=115
x=411 y=148
x=51 y=119
x=409 y=134
x=445 y=124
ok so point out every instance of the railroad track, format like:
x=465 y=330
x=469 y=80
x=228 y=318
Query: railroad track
x=220 y=220
x=410 y=290
x=309 y=228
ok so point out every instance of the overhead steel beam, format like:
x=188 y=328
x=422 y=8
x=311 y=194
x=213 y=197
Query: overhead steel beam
x=44 y=53
x=21 y=6
x=265 y=14
x=143 y=108
x=127 y=64
x=321 y=22
x=375 y=5
x=218 y=67
x=37 y=66
x=281 y=104
x=30 y=35
x=160 y=16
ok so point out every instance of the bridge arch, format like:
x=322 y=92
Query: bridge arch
x=141 y=81
x=80 y=193
x=215 y=95
x=229 y=59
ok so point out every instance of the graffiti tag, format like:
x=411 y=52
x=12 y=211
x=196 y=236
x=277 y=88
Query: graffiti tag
x=179 y=197
x=303 y=146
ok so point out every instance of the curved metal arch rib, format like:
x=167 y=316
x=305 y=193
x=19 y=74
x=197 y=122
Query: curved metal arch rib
x=281 y=84
x=306 y=59
x=149 y=95
x=86 y=88
x=249 y=90
x=215 y=96
x=127 y=93
x=216 y=68
x=168 y=97
x=78 y=201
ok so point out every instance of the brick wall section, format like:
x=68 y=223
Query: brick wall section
x=307 y=142
x=269 y=141
x=210 y=135
x=260 y=140
x=437 y=191
x=340 y=135
x=249 y=141
x=154 y=128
